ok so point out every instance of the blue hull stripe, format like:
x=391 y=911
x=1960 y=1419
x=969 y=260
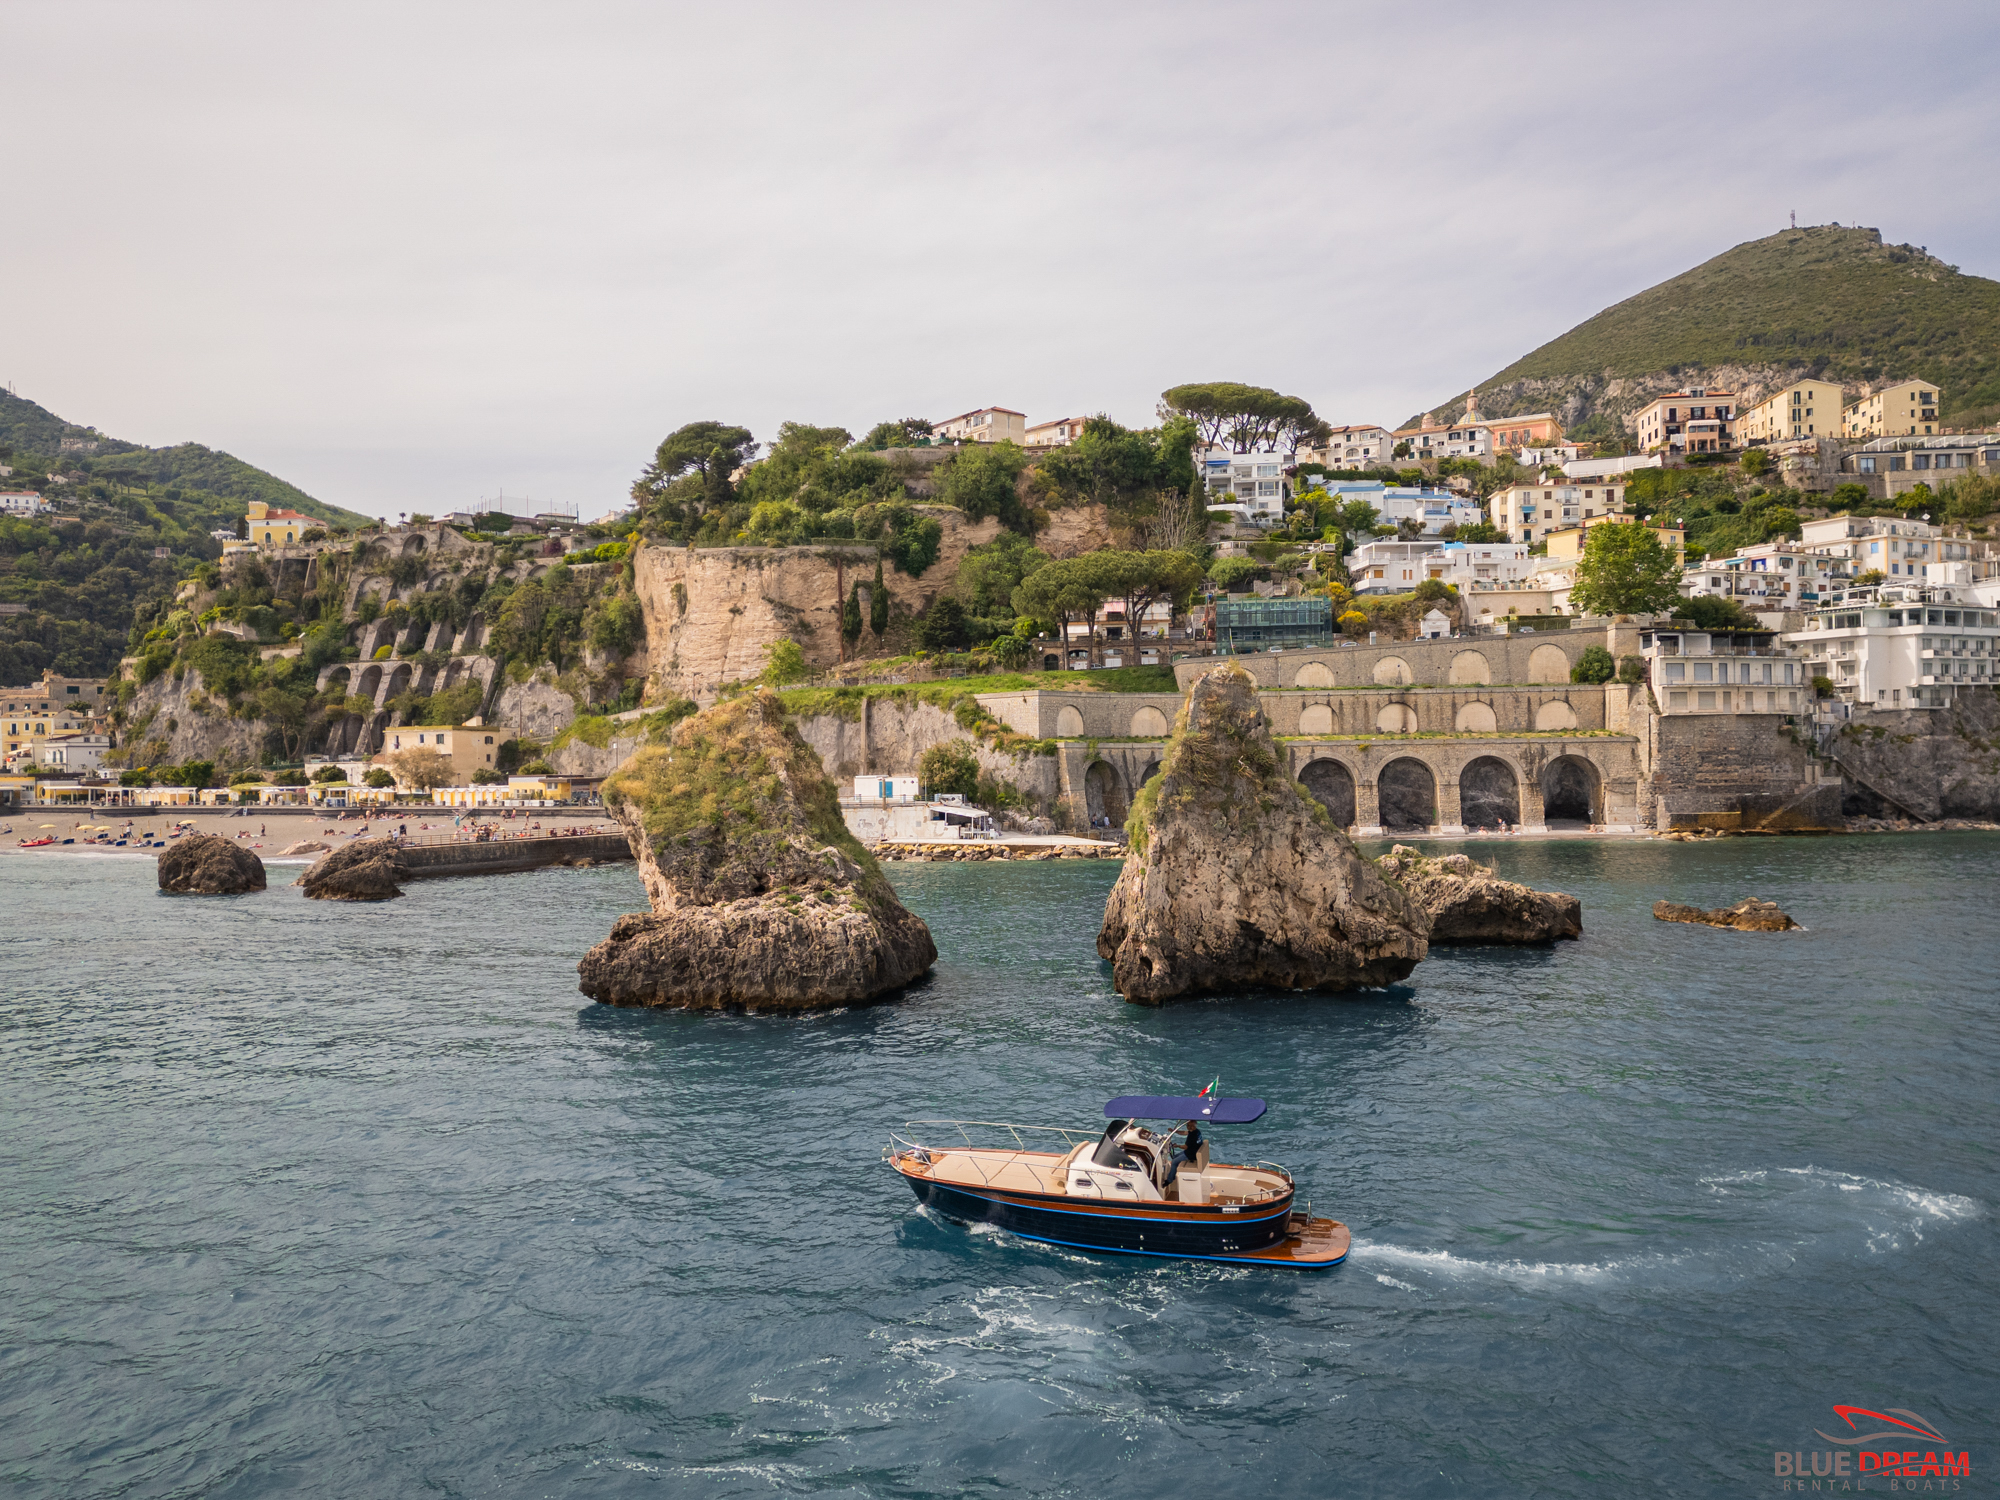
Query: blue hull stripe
x=1235 y=1260
x=1039 y=1206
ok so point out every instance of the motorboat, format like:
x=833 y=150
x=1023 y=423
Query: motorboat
x=1128 y=1189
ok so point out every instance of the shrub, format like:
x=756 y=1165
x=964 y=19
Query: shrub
x=950 y=768
x=327 y=774
x=943 y=626
x=487 y=776
x=784 y=663
x=1631 y=669
x=1594 y=666
x=1822 y=687
x=290 y=778
x=537 y=768
x=378 y=777
x=1229 y=572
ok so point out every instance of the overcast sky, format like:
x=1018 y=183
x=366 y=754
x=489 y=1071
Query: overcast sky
x=405 y=256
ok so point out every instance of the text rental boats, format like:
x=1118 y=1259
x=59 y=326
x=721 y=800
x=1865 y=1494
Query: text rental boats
x=1129 y=1190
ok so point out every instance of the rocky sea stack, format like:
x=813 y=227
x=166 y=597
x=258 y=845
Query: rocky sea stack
x=1468 y=903
x=1237 y=876
x=365 y=870
x=762 y=900
x=202 y=864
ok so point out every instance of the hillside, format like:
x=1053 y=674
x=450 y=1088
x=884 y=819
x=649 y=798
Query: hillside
x=31 y=439
x=1827 y=301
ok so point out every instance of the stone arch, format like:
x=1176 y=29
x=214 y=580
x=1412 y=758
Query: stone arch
x=1152 y=770
x=1314 y=674
x=1548 y=664
x=1476 y=718
x=341 y=676
x=1104 y=793
x=1332 y=786
x=1069 y=723
x=370 y=684
x=1489 y=793
x=1149 y=724
x=398 y=682
x=413 y=546
x=1406 y=791
x=1393 y=671
x=1572 y=791
x=1396 y=718
x=1051 y=663
x=1470 y=666
x=1555 y=714
x=1316 y=719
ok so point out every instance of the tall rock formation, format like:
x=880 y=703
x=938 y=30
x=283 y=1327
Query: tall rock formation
x=761 y=898
x=1237 y=876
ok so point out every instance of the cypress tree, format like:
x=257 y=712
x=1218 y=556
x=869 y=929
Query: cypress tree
x=878 y=603
x=850 y=615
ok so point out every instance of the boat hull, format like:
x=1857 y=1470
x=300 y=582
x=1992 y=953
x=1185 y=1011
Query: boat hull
x=1266 y=1234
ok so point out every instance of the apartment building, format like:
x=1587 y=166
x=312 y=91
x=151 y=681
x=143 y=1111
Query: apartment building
x=1394 y=567
x=1905 y=409
x=1057 y=434
x=1900 y=645
x=1738 y=672
x=1769 y=576
x=1899 y=550
x=1360 y=446
x=1433 y=509
x=1253 y=484
x=1536 y=430
x=1466 y=439
x=1888 y=467
x=1690 y=421
x=1529 y=512
x=1566 y=544
x=990 y=424
x=1803 y=409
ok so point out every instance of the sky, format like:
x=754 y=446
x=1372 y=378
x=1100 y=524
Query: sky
x=415 y=256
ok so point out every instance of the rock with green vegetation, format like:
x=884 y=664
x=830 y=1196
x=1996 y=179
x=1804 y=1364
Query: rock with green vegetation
x=1239 y=879
x=1748 y=915
x=1469 y=903
x=202 y=864
x=365 y=870
x=761 y=898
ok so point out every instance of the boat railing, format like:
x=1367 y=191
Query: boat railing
x=921 y=1139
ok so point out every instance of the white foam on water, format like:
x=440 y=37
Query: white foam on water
x=1518 y=1272
x=1401 y=1286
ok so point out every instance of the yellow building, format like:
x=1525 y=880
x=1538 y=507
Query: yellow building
x=1567 y=544
x=1806 y=408
x=469 y=747
x=1907 y=409
x=990 y=424
x=271 y=527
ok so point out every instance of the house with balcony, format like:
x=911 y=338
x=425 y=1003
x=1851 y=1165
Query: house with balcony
x=1898 y=549
x=1724 y=672
x=1770 y=576
x=1529 y=512
x=1253 y=486
x=990 y=424
x=1803 y=409
x=1889 y=467
x=1904 y=645
x=1688 y=422
x=1909 y=408
x=1356 y=446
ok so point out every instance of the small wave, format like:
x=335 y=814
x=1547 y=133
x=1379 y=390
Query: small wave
x=1401 y=1286
x=1519 y=1272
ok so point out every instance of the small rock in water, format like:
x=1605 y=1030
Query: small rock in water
x=203 y=865
x=365 y=870
x=1468 y=903
x=1747 y=915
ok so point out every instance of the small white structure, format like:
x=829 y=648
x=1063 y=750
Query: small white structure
x=1434 y=626
x=885 y=789
x=23 y=503
x=72 y=752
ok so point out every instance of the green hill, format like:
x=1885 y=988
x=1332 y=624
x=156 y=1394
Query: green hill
x=31 y=439
x=1828 y=301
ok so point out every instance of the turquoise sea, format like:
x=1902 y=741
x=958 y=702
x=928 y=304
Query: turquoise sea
x=316 y=1199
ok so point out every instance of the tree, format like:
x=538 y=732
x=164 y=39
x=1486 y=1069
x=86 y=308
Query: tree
x=420 y=769
x=981 y=480
x=850 y=615
x=1755 y=462
x=378 y=777
x=878 y=603
x=951 y=769
x=700 y=448
x=1013 y=651
x=989 y=574
x=910 y=432
x=1243 y=416
x=1712 y=613
x=487 y=776
x=1143 y=579
x=1480 y=531
x=1625 y=571
x=1869 y=579
x=1229 y=573
x=1072 y=589
x=784 y=663
x=1594 y=666
x=943 y=626
x=1432 y=590
x=327 y=774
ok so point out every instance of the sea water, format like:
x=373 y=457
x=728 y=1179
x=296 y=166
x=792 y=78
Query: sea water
x=325 y=1199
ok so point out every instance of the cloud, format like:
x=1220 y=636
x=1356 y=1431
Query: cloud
x=405 y=255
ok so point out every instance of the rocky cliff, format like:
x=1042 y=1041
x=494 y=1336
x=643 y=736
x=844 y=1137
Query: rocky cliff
x=1926 y=764
x=1469 y=903
x=761 y=898
x=1237 y=876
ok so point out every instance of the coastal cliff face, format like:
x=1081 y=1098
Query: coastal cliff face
x=1239 y=879
x=1925 y=763
x=761 y=898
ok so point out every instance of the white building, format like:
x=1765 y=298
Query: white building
x=23 y=503
x=1588 y=470
x=1769 y=576
x=1469 y=565
x=1254 y=485
x=1433 y=509
x=72 y=752
x=1696 y=672
x=1546 y=454
x=1393 y=567
x=1057 y=434
x=1900 y=645
x=1361 y=446
x=1529 y=512
x=1898 y=549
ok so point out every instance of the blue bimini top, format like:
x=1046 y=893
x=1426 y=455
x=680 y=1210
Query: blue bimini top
x=1170 y=1107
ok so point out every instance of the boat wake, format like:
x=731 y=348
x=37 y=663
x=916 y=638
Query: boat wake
x=1772 y=1219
